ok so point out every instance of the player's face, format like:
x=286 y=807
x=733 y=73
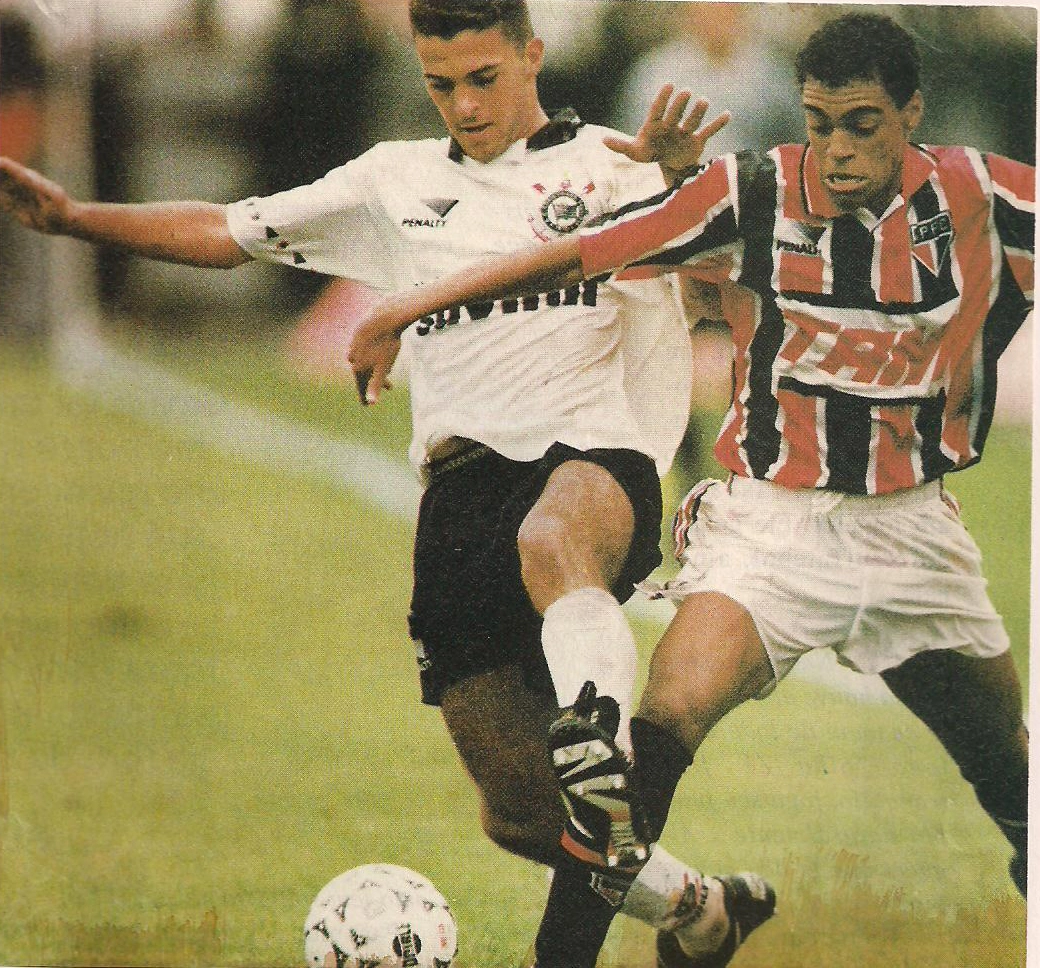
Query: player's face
x=859 y=137
x=484 y=88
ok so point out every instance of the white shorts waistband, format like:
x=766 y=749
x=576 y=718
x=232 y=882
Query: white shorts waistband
x=758 y=493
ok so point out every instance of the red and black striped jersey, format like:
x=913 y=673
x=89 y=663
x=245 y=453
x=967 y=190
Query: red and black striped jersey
x=864 y=348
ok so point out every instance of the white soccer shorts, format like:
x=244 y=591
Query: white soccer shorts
x=876 y=579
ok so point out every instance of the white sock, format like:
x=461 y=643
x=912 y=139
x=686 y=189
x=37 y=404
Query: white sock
x=585 y=635
x=660 y=886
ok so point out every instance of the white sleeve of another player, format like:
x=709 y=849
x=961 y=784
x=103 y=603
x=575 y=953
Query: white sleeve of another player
x=335 y=225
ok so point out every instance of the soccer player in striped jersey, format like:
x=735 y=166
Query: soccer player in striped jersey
x=543 y=496
x=870 y=285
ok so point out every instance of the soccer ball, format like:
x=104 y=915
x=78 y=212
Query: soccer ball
x=379 y=916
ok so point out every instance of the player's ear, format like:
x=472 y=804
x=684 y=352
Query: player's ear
x=912 y=113
x=534 y=54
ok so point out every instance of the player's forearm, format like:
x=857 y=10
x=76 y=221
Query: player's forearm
x=192 y=233
x=543 y=268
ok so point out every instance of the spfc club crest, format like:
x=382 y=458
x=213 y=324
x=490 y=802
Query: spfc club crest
x=930 y=241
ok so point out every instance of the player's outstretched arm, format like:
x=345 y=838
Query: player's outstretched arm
x=675 y=143
x=193 y=233
x=375 y=344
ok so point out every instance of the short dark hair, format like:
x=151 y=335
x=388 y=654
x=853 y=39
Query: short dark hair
x=447 y=18
x=862 y=47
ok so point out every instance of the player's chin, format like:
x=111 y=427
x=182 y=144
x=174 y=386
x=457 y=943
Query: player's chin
x=849 y=195
x=480 y=145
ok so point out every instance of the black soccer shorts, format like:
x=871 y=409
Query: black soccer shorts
x=470 y=612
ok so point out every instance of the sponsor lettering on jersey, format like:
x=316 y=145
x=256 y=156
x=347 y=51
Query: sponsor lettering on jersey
x=423 y=223
x=867 y=361
x=797 y=237
x=583 y=294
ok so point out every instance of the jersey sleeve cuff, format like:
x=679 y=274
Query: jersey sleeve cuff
x=245 y=225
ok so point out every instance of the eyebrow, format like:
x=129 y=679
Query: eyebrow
x=486 y=69
x=852 y=112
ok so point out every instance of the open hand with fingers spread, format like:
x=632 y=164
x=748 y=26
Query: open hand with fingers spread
x=675 y=143
x=35 y=201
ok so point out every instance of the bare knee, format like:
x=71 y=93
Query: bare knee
x=708 y=662
x=499 y=727
x=524 y=833
x=577 y=535
x=545 y=542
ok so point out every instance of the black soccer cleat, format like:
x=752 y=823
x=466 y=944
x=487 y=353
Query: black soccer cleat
x=606 y=824
x=749 y=901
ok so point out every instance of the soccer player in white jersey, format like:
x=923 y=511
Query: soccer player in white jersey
x=870 y=285
x=540 y=424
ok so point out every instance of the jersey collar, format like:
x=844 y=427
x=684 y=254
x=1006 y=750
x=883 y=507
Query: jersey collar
x=561 y=127
x=918 y=166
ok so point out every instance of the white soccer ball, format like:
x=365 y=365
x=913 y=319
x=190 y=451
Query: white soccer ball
x=380 y=916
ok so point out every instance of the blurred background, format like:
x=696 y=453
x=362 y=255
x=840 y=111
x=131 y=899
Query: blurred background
x=208 y=700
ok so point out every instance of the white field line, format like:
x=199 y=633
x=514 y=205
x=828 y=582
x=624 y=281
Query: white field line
x=149 y=392
x=152 y=393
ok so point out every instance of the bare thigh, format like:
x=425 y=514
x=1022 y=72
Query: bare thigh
x=708 y=662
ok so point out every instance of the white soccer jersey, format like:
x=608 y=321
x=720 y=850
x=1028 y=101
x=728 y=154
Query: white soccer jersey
x=604 y=364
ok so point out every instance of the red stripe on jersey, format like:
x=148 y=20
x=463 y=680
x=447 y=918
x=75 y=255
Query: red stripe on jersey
x=740 y=309
x=806 y=330
x=618 y=243
x=796 y=271
x=972 y=247
x=897 y=444
x=1017 y=178
x=800 y=273
x=804 y=462
x=896 y=282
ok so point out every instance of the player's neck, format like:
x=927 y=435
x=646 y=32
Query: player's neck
x=532 y=122
x=539 y=119
x=535 y=120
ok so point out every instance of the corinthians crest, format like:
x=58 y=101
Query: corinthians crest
x=562 y=211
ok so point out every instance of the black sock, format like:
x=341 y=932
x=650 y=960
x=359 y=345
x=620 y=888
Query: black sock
x=1000 y=777
x=661 y=758
x=583 y=900
x=582 y=903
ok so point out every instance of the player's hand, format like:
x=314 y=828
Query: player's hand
x=35 y=201
x=675 y=143
x=371 y=353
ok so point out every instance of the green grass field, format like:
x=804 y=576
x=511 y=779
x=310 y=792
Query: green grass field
x=209 y=708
